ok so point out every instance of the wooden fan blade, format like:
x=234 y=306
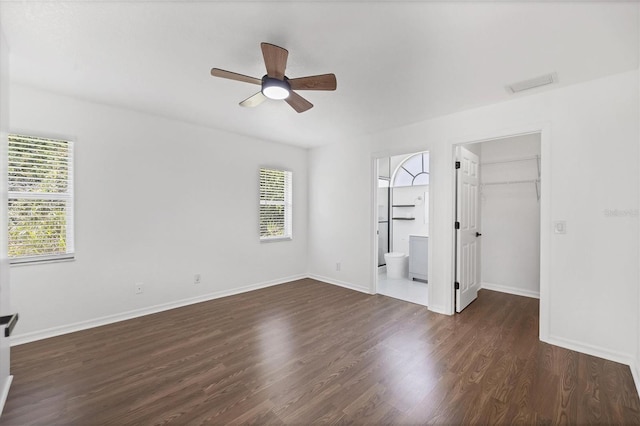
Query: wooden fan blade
x=217 y=72
x=254 y=100
x=275 y=59
x=298 y=103
x=315 y=82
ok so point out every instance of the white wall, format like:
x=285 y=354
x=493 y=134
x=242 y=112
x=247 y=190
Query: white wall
x=407 y=195
x=340 y=209
x=177 y=179
x=510 y=242
x=589 y=277
x=157 y=201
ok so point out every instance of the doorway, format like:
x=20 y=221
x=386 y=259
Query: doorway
x=402 y=234
x=497 y=228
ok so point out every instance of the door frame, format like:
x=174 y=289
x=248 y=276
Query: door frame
x=544 y=130
x=374 y=213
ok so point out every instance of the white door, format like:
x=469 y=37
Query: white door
x=467 y=215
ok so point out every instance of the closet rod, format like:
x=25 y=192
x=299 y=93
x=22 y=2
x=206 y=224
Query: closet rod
x=509 y=182
x=511 y=160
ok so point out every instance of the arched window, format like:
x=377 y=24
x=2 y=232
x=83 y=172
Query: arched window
x=413 y=171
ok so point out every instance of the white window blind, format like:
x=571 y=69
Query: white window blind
x=275 y=204
x=40 y=175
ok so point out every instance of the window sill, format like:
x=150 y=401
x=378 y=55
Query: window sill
x=276 y=239
x=40 y=262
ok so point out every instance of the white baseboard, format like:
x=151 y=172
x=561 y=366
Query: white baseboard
x=593 y=350
x=344 y=284
x=636 y=375
x=20 y=339
x=5 y=393
x=510 y=290
x=620 y=357
x=83 y=325
x=439 y=309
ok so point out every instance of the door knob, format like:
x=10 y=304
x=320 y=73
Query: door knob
x=478 y=234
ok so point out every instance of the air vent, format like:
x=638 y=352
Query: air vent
x=532 y=83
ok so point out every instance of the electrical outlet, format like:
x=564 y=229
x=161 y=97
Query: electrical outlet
x=139 y=288
x=338 y=266
x=560 y=227
x=196 y=279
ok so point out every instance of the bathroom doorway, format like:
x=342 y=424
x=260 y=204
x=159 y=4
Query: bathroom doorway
x=403 y=227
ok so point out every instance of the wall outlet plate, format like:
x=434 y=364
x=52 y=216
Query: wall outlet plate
x=560 y=227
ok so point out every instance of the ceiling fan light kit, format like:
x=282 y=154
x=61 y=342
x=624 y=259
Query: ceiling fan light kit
x=276 y=85
x=273 y=88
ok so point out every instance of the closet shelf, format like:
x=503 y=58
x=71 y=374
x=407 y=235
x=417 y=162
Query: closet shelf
x=510 y=182
x=535 y=158
x=511 y=160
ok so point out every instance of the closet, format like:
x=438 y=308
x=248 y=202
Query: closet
x=510 y=214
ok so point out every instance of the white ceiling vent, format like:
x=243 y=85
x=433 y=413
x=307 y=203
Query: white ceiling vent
x=532 y=83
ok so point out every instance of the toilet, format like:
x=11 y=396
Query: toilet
x=397 y=265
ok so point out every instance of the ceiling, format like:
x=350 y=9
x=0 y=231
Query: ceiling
x=396 y=62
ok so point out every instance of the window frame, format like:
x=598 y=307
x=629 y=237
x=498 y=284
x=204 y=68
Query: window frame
x=287 y=203
x=68 y=197
x=401 y=168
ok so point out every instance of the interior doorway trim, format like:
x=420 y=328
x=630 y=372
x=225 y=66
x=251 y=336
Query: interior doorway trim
x=544 y=129
x=375 y=156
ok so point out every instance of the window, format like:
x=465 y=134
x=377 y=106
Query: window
x=40 y=199
x=413 y=171
x=275 y=204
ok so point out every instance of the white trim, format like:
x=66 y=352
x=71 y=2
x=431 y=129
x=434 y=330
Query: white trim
x=287 y=203
x=40 y=260
x=20 y=339
x=83 y=325
x=592 y=350
x=511 y=290
x=275 y=239
x=545 y=227
x=5 y=392
x=636 y=375
x=339 y=283
x=375 y=269
x=22 y=141
x=373 y=234
x=440 y=309
x=544 y=128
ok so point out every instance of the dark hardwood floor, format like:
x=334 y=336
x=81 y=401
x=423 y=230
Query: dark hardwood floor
x=308 y=352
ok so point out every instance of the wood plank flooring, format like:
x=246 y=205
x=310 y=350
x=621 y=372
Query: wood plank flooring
x=308 y=352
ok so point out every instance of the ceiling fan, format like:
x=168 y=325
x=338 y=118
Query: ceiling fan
x=276 y=85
